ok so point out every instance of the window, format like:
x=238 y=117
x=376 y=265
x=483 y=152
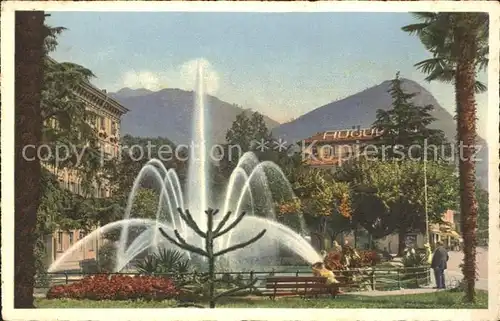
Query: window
x=113 y=128
x=81 y=235
x=327 y=151
x=97 y=192
x=59 y=241
x=102 y=122
x=70 y=238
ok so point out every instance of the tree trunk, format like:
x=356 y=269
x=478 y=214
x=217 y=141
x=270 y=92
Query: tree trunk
x=401 y=242
x=466 y=136
x=29 y=38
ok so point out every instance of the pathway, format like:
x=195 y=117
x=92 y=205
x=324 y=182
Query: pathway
x=394 y=292
x=453 y=273
x=452 y=276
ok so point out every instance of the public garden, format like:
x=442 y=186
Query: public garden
x=370 y=281
x=159 y=239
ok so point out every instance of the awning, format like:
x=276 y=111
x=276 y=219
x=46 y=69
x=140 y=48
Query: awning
x=452 y=234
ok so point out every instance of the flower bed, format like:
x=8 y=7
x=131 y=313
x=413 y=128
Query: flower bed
x=349 y=259
x=352 y=266
x=116 y=287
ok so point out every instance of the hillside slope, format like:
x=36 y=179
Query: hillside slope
x=169 y=113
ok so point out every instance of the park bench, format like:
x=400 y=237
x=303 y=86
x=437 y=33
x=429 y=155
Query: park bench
x=299 y=285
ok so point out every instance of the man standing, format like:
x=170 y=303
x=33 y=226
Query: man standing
x=439 y=264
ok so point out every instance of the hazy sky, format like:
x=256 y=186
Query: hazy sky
x=281 y=64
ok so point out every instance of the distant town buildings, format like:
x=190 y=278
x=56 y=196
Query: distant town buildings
x=329 y=149
x=106 y=119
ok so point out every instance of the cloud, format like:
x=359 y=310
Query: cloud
x=188 y=72
x=182 y=76
x=142 y=79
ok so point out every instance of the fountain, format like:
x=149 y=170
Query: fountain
x=252 y=187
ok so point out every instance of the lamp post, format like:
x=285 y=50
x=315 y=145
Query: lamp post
x=427 y=236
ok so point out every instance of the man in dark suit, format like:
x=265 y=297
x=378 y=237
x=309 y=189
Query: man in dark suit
x=439 y=264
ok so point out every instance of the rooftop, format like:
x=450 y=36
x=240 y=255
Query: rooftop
x=353 y=134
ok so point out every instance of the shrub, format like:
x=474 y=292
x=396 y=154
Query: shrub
x=116 y=287
x=418 y=274
x=165 y=261
x=147 y=266
x=335 y=260
x=414 y=258
x=369 y=258
x=107 y=257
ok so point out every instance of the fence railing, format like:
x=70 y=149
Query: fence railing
x=371 y=278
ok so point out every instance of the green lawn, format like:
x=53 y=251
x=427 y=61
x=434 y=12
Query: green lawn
x=437 y=300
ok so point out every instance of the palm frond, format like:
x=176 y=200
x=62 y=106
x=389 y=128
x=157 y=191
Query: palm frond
x=424 y=15
x=480 y=87
x=428 y=65
x=415 y=28
x=441 y=74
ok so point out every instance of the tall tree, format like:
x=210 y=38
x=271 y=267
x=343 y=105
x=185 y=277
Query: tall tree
x=324 y=202
x=387 y=198
x=482 y=216
x=246 y=134
x=406 y=126
x=68 y=129
x=73 y=143
x=240 y=132
x=458 y=43
x=29 y=43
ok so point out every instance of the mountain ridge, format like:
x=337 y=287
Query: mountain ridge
x=168 y=113
x=360 y=109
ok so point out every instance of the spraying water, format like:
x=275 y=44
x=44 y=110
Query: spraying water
x=249 y=189
x=198 y=169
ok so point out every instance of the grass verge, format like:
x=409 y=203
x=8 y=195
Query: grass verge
x=434 y=300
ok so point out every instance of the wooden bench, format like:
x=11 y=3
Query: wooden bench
x=299 y=285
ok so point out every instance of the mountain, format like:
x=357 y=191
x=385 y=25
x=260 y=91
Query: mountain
x=360 y=110
x=169 y=113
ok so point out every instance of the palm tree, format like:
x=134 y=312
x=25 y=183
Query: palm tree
x=459 y=46
x=30 y=34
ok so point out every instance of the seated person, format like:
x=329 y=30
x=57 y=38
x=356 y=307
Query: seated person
x=319 y=269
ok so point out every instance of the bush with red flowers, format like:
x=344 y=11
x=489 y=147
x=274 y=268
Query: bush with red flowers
x=333 y=261
x=369 y=258
x=350 y=258
x=116 y=287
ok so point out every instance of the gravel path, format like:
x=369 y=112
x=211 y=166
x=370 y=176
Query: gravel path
x=394 y=292
x=452 y=276
x=454 y=273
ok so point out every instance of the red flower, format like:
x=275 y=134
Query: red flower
x=116 y=287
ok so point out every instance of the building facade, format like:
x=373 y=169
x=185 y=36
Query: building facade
x=330 y=148
x=106 y=119
x=446 y=232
